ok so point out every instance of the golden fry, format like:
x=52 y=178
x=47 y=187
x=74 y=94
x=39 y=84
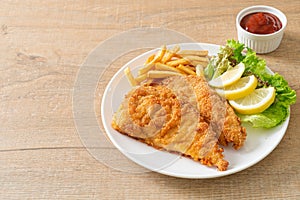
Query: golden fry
x=186 y=69
x=170 y=54
x=150 y=58
x=141 y=78
x=196 y=58
x=167 y=57
x=191 y=67
x=161 y=74
x=159 y=55
x=195 y=63
x=146 y=68
x=175 y=49
x=194 y=52
x=199 y=70
x=130 y=77
x=181 y=61
x=160 y=66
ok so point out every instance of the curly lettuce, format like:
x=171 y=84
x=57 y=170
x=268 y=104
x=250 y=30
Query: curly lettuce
x=220 y=63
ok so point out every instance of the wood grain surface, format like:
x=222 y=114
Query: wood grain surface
x=43 y=45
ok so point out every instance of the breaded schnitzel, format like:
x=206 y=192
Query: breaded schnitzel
x=181 y=114
x=214 y=108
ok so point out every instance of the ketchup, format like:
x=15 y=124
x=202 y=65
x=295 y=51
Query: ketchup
x=261 y=23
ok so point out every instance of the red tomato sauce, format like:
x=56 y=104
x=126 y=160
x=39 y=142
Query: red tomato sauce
x=261 y=23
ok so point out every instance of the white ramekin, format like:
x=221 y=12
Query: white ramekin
x=260 y=43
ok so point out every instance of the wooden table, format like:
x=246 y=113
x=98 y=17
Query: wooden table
x=43 y=45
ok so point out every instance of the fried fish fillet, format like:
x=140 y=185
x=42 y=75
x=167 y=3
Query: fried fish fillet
x=213 y=107
x=180 y=114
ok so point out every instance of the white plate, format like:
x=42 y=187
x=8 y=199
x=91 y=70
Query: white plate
x=259 y=142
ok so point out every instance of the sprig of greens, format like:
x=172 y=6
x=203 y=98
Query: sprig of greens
x=234 y=53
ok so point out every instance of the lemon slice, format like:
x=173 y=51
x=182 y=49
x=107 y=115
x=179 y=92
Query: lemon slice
x=229 y=77
x=256 y=102
x=241 y=88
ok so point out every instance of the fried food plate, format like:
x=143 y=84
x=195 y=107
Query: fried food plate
x=259 y=143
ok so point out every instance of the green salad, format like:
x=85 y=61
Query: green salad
x=232 y=54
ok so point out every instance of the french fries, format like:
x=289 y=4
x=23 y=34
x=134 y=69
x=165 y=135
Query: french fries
x=150 y=58
x=169 y=62
x=161 y=74
x=160 y=66
x=160 y=55
x=186 y=70
x=201 y=53
x=146 y=68
x=130 y=77
x=199 y=70
x=195 y=63
x=141 y=78
x=177 y=62
x=196 y=58
x=170 y=54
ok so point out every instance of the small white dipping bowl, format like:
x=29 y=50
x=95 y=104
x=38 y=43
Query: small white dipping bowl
x=260 y=43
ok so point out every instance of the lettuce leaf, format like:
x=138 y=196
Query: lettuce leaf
x=284 y=93
x=220 y=63
x=274 y=115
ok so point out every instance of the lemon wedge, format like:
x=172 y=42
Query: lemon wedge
x=241 y=88
x=256 y=102
x=229 y=77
